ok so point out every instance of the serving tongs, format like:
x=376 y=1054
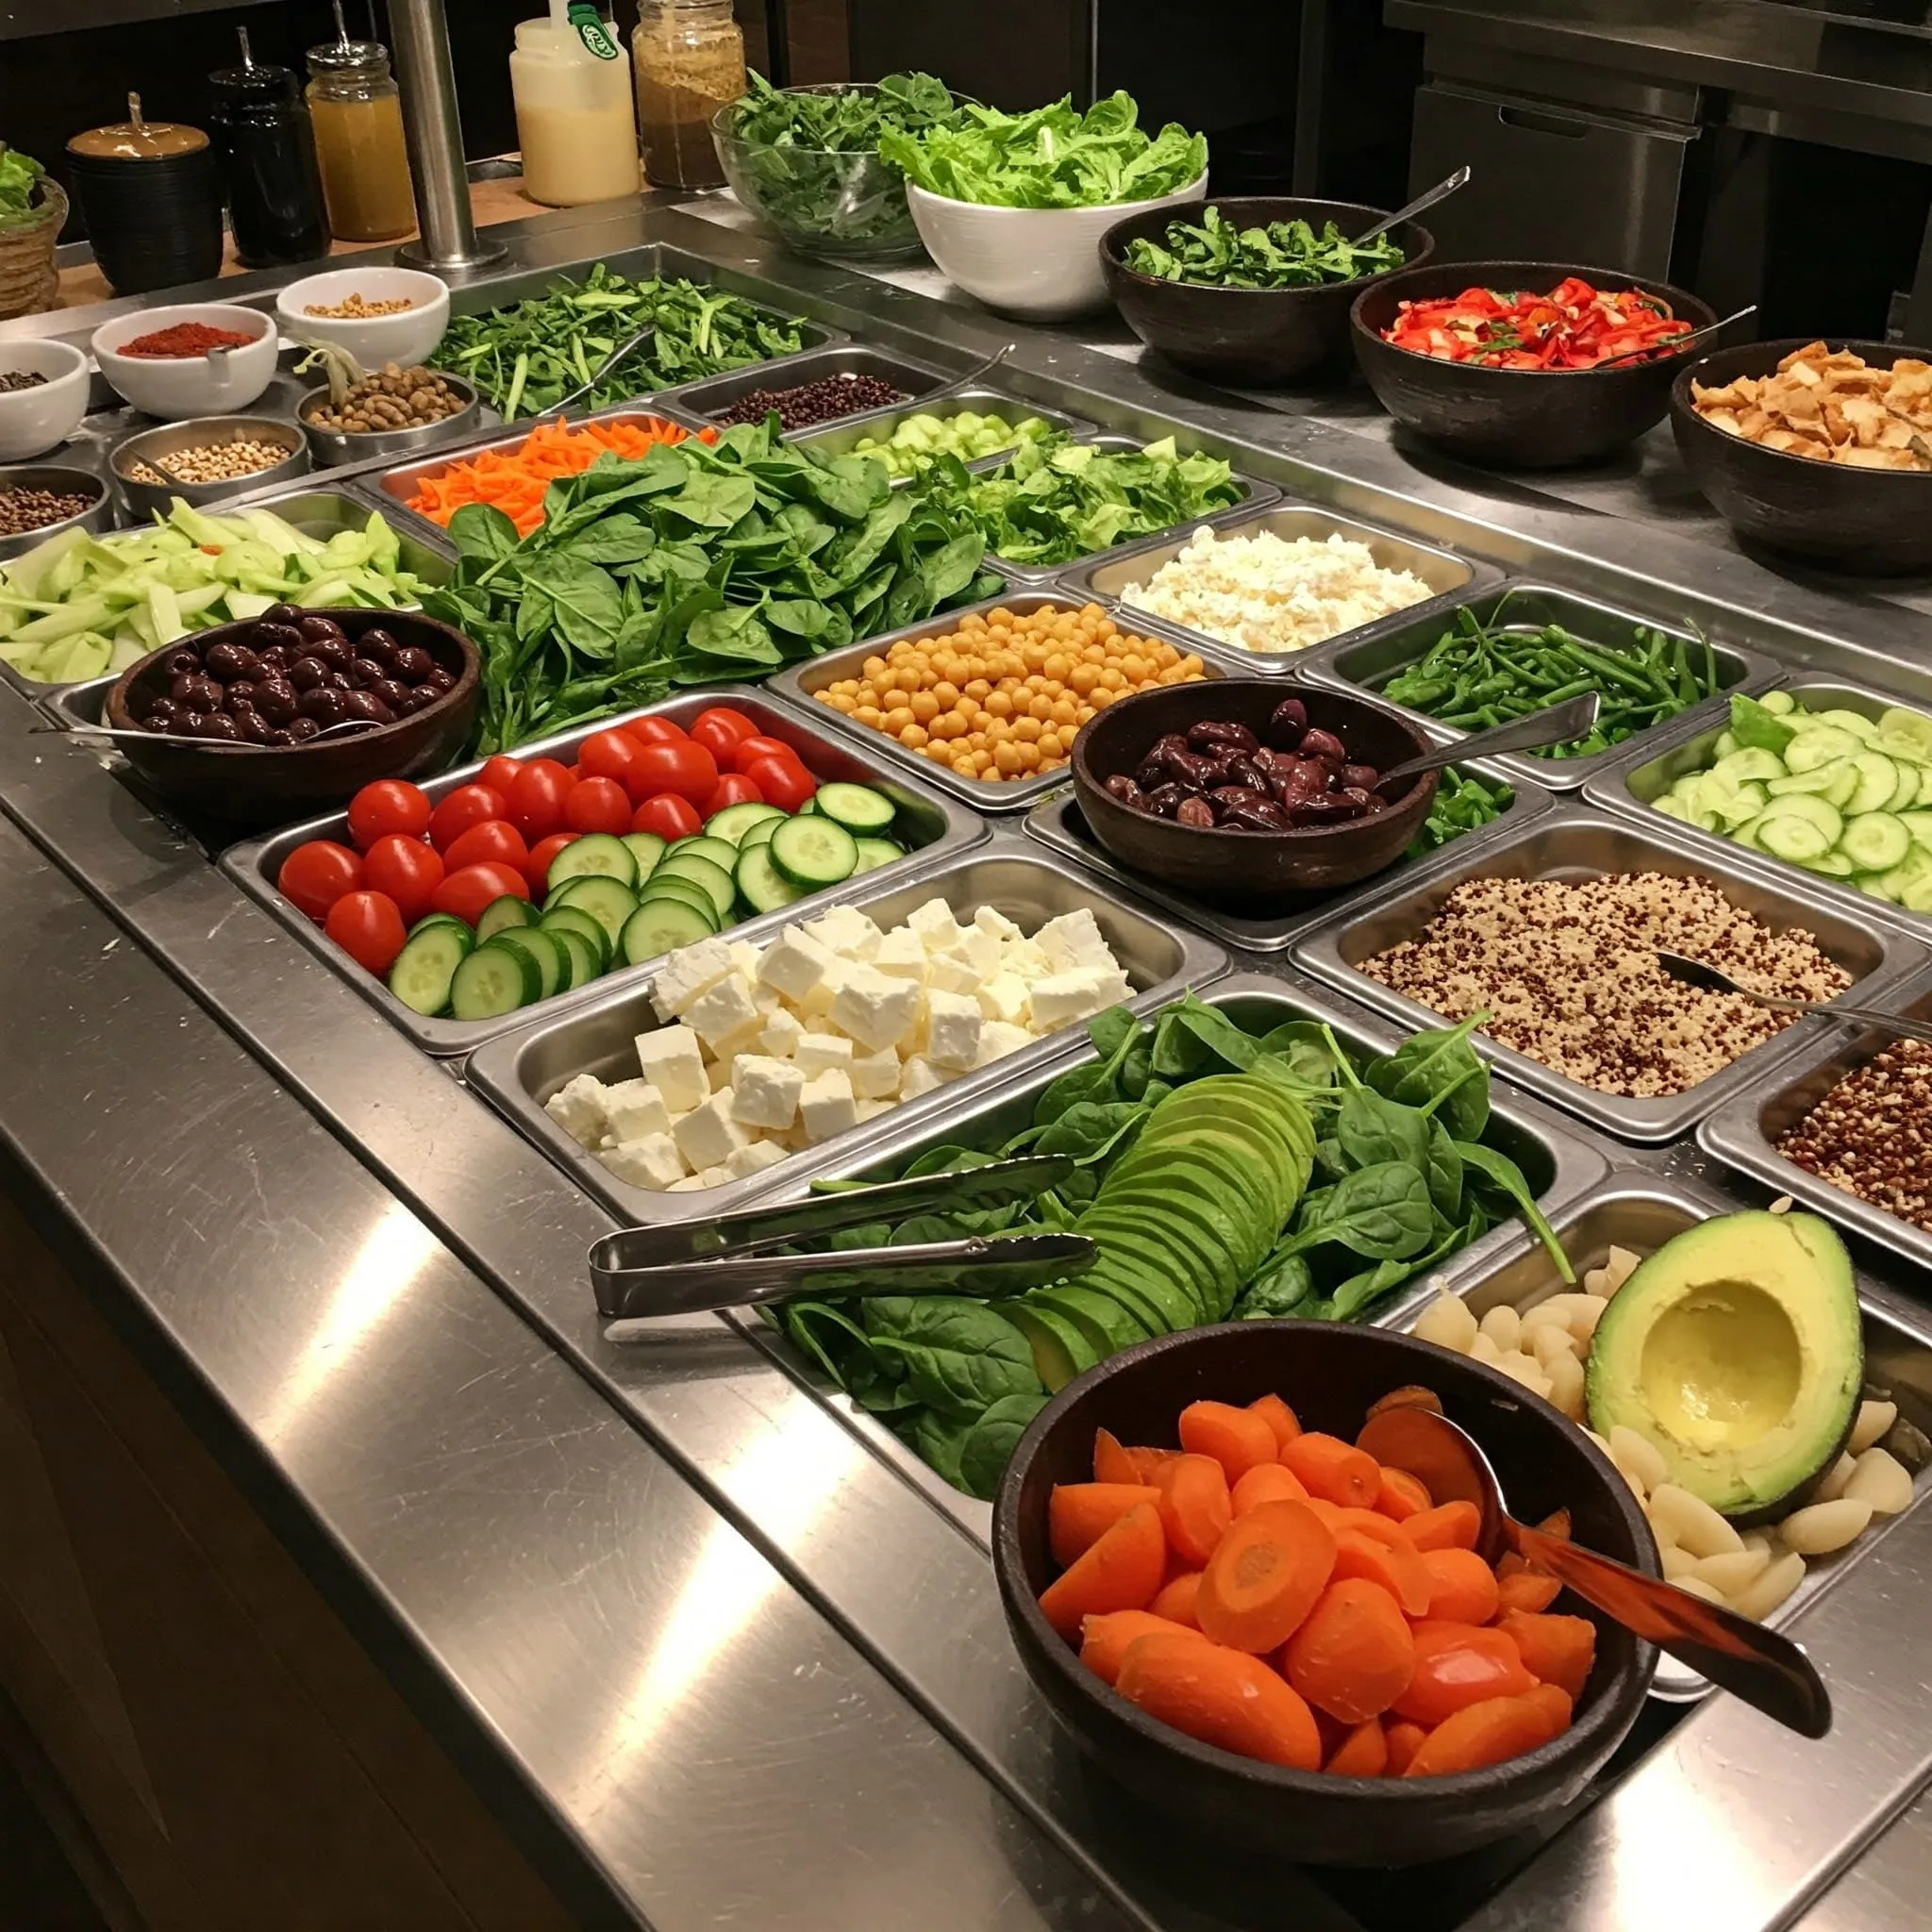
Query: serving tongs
x=738 y=1260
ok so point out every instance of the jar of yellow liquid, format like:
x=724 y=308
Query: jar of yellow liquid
x=357 y=116
x=575 y=122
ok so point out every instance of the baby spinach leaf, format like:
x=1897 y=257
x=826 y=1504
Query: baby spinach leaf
x=1191 y=1034
x=1439 y=1072
x=1279 y=1288
x=986 y=1451
x=1505 y=1175
x=481 y=530
x=958 y=1356
x=833 y=1340
x=1092 y=1131
x=938 y=1441
x=1380 y=1212
x=1444 y=1171
x=1095 y=1083
x=1370 y=1130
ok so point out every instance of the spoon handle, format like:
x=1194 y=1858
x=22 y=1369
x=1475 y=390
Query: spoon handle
x=1440 y=192
x=1769 y=1672
x=1554 y=725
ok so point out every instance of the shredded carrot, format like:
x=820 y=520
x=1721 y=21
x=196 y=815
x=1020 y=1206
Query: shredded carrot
x=514 y=481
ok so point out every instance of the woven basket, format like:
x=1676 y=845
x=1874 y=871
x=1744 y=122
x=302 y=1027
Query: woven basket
x=27 y=281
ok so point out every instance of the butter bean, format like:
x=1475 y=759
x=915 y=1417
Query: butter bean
x=1694 y=1522
x=1822 y=1528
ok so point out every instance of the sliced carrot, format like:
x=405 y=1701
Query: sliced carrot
x=1394 y=1565
x=1447 y=1526
x=1178 y=1598
x=1458 y=1664
x=1114 y=1464
x=1557 y=1523
x=1462 y=1588
x=1195 y=1507
x=1267 y=1482
x=1334 y=1470
x=1410 y=1396
x=1405 y=1739
x=1369 y=1523
x=1238 y=1439
x=1221 y=1697
x=1509 y=1564
x=1352 y=1655
x=1555 y=1703
x=1279 y=1417
x=1488 y=1733
x=1364 y=1753
x=1079 y=1514
x=1265 y=1577
x=1524 y=1590
x=1104 y=1640
x=1122 y=1571
x=1556 y=1650
x=1401 y=1495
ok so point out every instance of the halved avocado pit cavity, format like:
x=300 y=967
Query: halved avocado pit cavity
x=1722 y=1367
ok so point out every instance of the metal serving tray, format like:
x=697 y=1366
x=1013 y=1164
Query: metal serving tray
x=940 y=825
x=1561 y=1169
x=1744 y=1132
x=1640 y=1211
x=1627 y=786
x=1061 y=826
x=1572 y=844
x=710 y=395
x=835 y=439
x=1367 y=663
x=1110 y=580
x=799 y=683
x=519 y=1072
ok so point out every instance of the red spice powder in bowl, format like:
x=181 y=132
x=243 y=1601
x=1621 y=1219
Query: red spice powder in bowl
x=185 y=339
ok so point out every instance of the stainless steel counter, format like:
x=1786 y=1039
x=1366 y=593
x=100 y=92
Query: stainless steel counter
x=734 y=1664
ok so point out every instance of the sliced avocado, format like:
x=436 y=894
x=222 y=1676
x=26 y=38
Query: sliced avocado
x=1060 y=1351
x=1138 y=1285
x=1107 y=1326
x=1168 y=1260
x=1736 y=1350
x=1202 y=1239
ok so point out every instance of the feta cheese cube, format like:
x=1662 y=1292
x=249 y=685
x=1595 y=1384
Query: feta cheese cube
x=1005 y=997
x=876 y=1076
x=953 y=973
x=579 y=1108
x=637 y=1111
x=1025 y=960
x=815 y=1052
x=875 y=1009
x=710 y=1177
x=782 y=1036
x=1073 y=939
x=765 y=1092
x=651 y=1161
x=996 y=925
x=827 y=1105
x=871 y=1109
x=671 y=1062
x=918 y=1076
x=792 y=963
x=934 y=924
x=743 y=1040
x=953 y=1027
x=754 y=1160
x=979 y=950
x=724 y=1009
x=709 y=1136
x=1061 y=998
x=688 y=972
x=901 y=954
x=998 y=1039
x=847 y=931
x=818 y=1001
x=744 y=958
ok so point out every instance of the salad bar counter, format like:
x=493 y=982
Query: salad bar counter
x=706 y=905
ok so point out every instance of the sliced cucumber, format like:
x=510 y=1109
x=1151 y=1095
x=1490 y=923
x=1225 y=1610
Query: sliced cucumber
x=660 y=926
x=596 y=854
x=422 y=971
x=495 y=980
x=606 y=900
x=671 y=885
x=1818 y=744
x=1795 y=839
x=1754 y=761
x=1905 y=794
x=858 y=808
x=435 y=919
x=719 y=850
x=1831 y=865
x=1808 y=811
x=1877 y=781
x=507 y=911
x=814 y=853
x=759 y=832
x=576 y=919
x=735 y=820
x=704 y=870
x=585 y=955
x=1919 y=823
x=873 y=853
x=761 y=883
x=1862 y=727
x=647 y=848
x=1778 y=702
x=1876 y=841
x=546 y=952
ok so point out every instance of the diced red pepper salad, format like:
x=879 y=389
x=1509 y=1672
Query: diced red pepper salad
x=1573 y=326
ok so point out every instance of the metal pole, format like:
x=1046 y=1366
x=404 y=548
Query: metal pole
x=446 y=238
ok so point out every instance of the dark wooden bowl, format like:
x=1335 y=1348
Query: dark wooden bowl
x=1248 y=869
x=1875 y=523
x=1515 y=419
x=254 y=789
x=1259 y=338
x=1330 y=1374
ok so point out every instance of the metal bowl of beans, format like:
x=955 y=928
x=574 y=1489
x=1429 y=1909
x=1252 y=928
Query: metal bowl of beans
x=204 y=459
x=391 y=413
x=41 y=500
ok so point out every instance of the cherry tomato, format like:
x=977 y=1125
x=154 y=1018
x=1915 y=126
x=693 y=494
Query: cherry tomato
x=610 y=754
x=759 y=746
x=732 y=788
x=317 y=874
x=536 y=800
x=669 y=816
x=405 y=869
x=597 y=804
x=783 y=782
x=494 y=839
x=467 y=806
x=500 y=773
x=718 y=730
x=654 y=731
x=389 y=804
x=685 y=768
x=537 y=867
x=369 y=927
x=465 y=893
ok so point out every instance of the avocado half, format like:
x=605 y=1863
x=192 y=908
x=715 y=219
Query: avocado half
x=1736 y=1350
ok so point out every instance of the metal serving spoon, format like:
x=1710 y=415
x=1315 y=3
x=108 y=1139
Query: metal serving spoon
x=1769 y=1672
x=76 y=729
x=1677 y=344
x=1440 y=192
x=1688 y=972
x=1554 y=725
x=623 y=352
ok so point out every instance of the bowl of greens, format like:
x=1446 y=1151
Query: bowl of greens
x=806 y=160
x=1256 y=290
x=1012 y=206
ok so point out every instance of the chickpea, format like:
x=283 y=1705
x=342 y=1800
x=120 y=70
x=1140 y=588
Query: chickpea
x=1026 y=729
x=1063 y=711
x=898 y=719
x=964 y=766
x=870 y=715
x=1006 y=760
x=913 y=736
x=873 y=667
x=925 y=707
x=1029 y=755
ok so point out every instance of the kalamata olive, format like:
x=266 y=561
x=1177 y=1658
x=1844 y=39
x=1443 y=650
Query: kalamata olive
x=162 y=715
x=1190 y=773
x=308 y=674
x=366 y=671
x=378 y=643
x=281 y=738
x=358 y=703
x=1214 y=733
x=1325 y=810
x=1162 y=800
x=184 y=725
x=275 y=660
x=302 y=730
x=425 y=695
x=200 y=695
x=1367 y=803
x=238 y=694
x=278 y=637
x=254 y=728
x=334 y=652
x=324 y=705
x=1363 y=776
x=388 y=691
x=1291 y=778
x=229 y=662
x=219 y=726
x=1152 y=773
x=1223 y=796
x=280 y=613
x=440 y=681
x=1123 y=788
x=1287 y=722
x=276 y=698
x=1259 y=815
x=411 y=664
x=182 y=663
x=337 y=680
x=181 y=684
x=1317 y=744
x=316 y=627
x=1243 y=769
x=1194 y=811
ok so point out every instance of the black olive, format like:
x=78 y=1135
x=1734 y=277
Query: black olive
x=1224 y=797
x=1163 y=799
x=279 y=737
x=1123 y=788
x=302 y=730
x=1151 y=775
x=1194 y=811
x=358 y=703
x=1367 y=803
x=1317 y=744
x=337 y=680
x=280 y=613
x=1287 y=722
x=276 y=699
x=219 y=726
x=1256 y=815
x=239 y=693
x=324 y=705
x=183 y=663
x=366 y=671
x=1190 y=773
x=316 y=630
x=1362 y=776
x=271 y=636
x=426 y=694
x=253 y=726
x=308 y=674
x=187 y=725
x=334 y=652
x=411 y=664
x=1243 y=769
x=441 y=680
x=275 y=660
x=230 y=662
x=182 y=685
x=388 y=691
x=1217 y=733
x=161 y=715
x=1324 y=810
x=378 y=643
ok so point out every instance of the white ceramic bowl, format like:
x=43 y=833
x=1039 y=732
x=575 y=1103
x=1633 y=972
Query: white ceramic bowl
x=33 y=420
x=1039 y=263
x=175 y=387
x=405 y=337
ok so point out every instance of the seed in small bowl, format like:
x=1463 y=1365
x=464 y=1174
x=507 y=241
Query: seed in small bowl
x=35 y=509
x=14 y=380
x=211 y=462
x=358 y=307
x=391 y=398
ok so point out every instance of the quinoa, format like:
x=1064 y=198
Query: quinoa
x=1569 y=976
x=1872 y=1134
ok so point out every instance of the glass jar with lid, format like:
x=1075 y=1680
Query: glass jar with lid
x=357 y=116
x=689 y=57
